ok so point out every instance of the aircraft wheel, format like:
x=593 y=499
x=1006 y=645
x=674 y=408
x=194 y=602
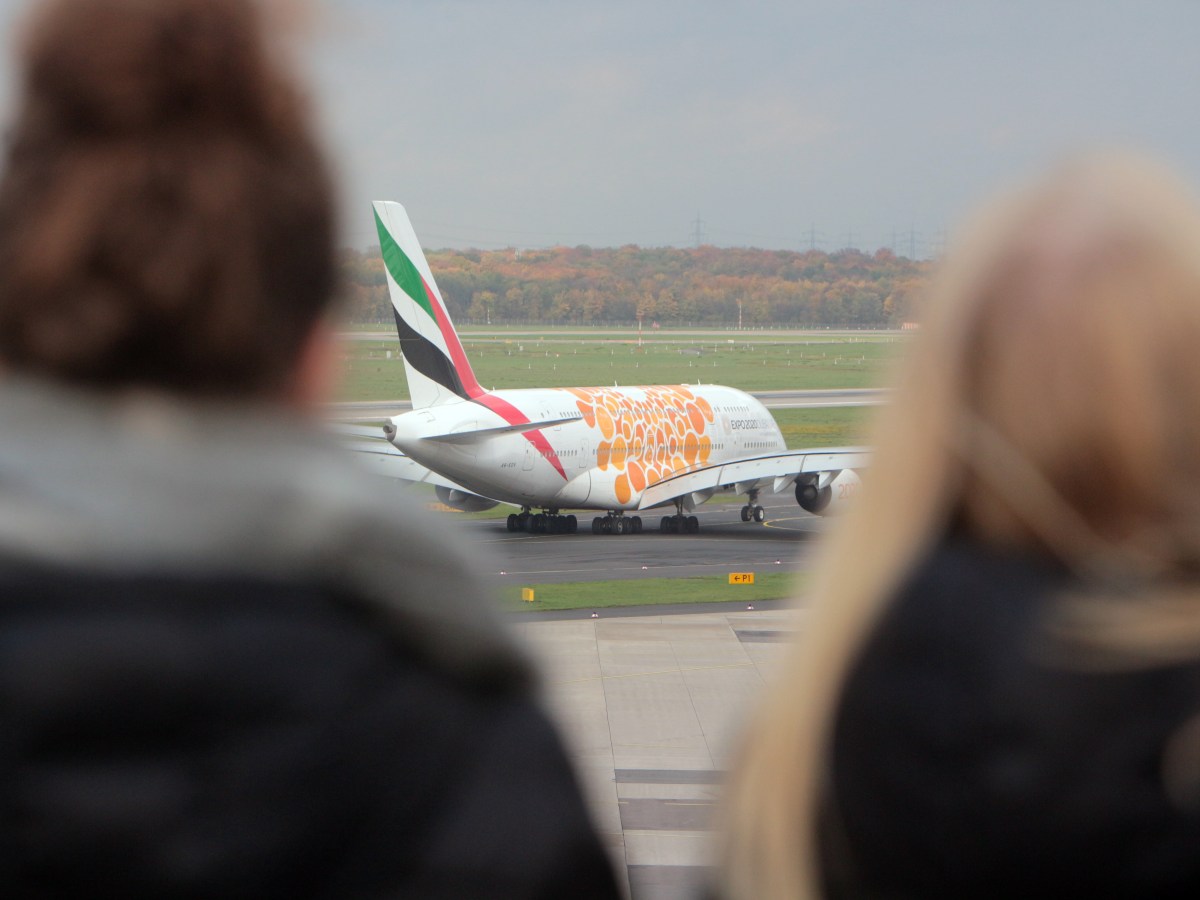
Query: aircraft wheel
x=745 y=513
x=662 y=525
x=637 y=524
x=693 y=525
x=572 y=524
x=606 y=525
x=760 y=514
x=596 y=525
x=512 y=522
x=622 y=525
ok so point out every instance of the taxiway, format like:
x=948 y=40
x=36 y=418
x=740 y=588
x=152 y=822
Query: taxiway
x=783 y=543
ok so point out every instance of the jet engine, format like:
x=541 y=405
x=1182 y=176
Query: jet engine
x=463 y=500
x=825 y=493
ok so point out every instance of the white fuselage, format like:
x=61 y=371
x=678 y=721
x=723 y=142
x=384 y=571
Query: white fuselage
x=625 y=439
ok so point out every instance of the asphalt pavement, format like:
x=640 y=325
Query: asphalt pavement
x=783 y=543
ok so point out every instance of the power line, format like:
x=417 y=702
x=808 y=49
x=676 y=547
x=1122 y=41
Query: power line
x=912 y=242
x=815 y=238
x=903 y=241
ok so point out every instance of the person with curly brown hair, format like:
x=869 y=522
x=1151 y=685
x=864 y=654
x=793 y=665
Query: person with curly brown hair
x=229 y=666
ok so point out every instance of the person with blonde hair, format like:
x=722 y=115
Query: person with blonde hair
x=998 y=687
x=229 y=665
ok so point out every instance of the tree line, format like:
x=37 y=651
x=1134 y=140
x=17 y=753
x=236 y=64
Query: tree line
x=660 y=285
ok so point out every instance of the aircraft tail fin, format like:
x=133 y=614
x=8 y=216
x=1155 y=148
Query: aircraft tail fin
x=434 y=360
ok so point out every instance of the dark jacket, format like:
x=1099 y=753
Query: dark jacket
x=231 y=667
x=972 y=755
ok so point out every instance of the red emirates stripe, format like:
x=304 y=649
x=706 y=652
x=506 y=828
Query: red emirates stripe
x=502 y=408
x=514 y=416
x=457 y=355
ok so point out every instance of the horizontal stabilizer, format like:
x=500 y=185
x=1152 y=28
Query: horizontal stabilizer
x=357 y=432
x=480 y=434
x=372 y=450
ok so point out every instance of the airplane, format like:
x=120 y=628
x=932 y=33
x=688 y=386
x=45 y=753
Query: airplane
x=619 y=451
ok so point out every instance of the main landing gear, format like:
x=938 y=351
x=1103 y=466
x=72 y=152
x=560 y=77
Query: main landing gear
x=679 y=523
x=542 y=523
x=752 y=510
x=615 y=523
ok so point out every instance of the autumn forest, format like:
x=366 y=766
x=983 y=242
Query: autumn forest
x=665 y=286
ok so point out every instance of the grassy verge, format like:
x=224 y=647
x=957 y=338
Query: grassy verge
x=824 y=426
x=374 y=371
x=647 y=591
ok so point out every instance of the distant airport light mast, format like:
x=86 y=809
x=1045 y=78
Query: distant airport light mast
x=739 y=314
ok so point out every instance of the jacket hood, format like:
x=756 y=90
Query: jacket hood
x=139 y=482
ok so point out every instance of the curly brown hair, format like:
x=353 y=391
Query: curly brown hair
x=166 y=216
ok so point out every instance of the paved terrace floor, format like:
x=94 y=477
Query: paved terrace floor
x=650 y=707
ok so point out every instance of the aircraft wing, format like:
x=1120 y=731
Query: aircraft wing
x=372 y=449
x=775 y=473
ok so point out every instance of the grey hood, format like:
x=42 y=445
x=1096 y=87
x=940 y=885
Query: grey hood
x=142 y=483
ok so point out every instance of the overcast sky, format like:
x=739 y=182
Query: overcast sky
x=535 y=122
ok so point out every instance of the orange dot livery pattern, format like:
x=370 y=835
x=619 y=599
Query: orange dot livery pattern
x=646 y=440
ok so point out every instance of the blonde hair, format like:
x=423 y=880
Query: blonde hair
x=1049 y=404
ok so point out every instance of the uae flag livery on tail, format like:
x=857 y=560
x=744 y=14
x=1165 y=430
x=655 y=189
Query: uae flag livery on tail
x=434 y=360
x=437 y=368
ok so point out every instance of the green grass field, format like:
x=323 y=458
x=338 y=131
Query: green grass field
x=601 y=594
x=373 y=369
x=834 y=426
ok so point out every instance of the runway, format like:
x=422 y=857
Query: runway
x=783 y=543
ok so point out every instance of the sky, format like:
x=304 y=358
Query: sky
x=785 y=125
